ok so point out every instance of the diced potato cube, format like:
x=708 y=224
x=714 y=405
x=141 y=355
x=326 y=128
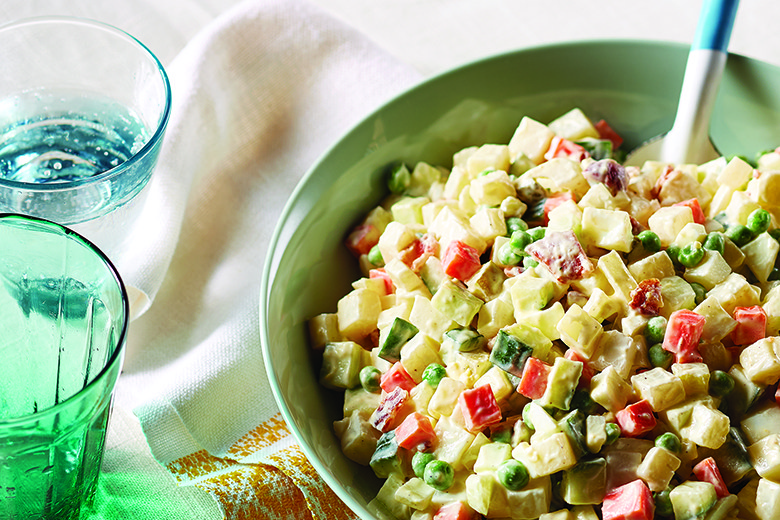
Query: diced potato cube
x=458 y=179
x=735 y=174
x=734 y=291
x=599 y=196
x=720 y=200
x=573 y=125
x=358 y=440
x=488 y=156
x=469 y=457
x=679 y=186
x=595 y=432
x=341 y=364
x=601 y=307
x=739 y=207
x=532 y=139
x=405 y=280
x=579 y=331
x=710 y=272
x=408 y=210
x=691 y=232
x=418 y=353
x=486 y=495
x=493 y=316
x=546 y=320
x=767 y=189
x=445 y=397
x=491 y=188
x=560 y=174
x=395 y=238
x=359 y=400
x=429 y=320
x=767 y=500
x=760 y=255
x=761 y=422
x=488 y=223
x=657 y=468
x=677 y=294
x=566 y=216
x=616 y=273
x=607 y=229
x=324 y=329
x=454 y=440
x=531 y=501
x=546 y=456
x=668 y=221
x=760 y=360
x=610 y=390
x=415 y=493
x=708 y=428
x=695 y=377
x=455 y=301
x=617 y=350
x=530 y=293
x=384 y=503
x=421 y=396
x=498 y=381
x=765 y=456
x=491 y=456
x=717 y=322
x=660 y=388
x=357 y=313
x=543 y=424
x=658 y=265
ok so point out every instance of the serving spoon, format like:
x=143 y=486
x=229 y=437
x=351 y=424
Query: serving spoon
x=688 y=140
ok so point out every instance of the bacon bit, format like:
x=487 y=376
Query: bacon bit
x=563 y=256
x=636 y=226
x=384 y=416
x=513 y=271
x=646 y=298
x=668 y=170
x=430 y=247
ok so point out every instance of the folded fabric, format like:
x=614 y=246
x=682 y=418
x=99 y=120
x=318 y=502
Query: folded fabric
x=258 y=96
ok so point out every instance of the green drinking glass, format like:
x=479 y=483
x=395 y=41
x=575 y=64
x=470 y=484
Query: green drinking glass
x=63 y=326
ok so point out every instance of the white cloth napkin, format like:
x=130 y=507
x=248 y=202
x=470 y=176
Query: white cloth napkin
x=257 y=97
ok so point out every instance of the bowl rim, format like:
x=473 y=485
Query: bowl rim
x=273 y=250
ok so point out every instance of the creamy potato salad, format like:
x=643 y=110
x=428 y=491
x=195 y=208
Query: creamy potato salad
x=542 y=332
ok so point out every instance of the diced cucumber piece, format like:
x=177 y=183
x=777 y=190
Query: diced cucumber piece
x=573 y=425
x=692 y=499
x=396 y=337
x=509 y=353
x=386 y=459
x=466 y=339
x=585 y=483
x=563 y=379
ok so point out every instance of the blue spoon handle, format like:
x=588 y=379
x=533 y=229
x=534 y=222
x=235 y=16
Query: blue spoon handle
x=715 y=23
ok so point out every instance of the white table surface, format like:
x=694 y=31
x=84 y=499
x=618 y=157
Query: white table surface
x=431 y=35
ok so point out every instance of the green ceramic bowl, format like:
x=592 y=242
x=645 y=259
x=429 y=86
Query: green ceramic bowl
x=634 y=85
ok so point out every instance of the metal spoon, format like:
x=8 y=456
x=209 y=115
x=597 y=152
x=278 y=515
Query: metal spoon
x=688 y=140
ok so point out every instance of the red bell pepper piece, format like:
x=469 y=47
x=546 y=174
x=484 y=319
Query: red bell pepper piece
x=606 y=132
x=632 y=501
x=415 y=432
x=698 y=214
x=381 y=274
x=383 y=418
x=396 y=376
x=636 y=419
x=707 y=471
x=479 y=407
x=683 y=332
x=560 y=147
x=751 y=325
x=533 y=382
x=362 y=239
x=460 y=260
x=454 y=511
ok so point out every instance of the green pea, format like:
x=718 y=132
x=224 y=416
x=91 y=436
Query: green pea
x=513 y=474
x=650 y=241
x=722 y=219
x=659 y=356
x=537 y=233
x=526 y=418
x=439 y=475
x=691 y=254
x=663 y=503
x=529 y=262
x=669 y=441
x=433 y=374
x=699 y=291
x=419 y=460
x=520 y=239
x=508 y=255
x=515 y=224
x=739 y=234
x=655 y=329
x=673 y=250
x=399 y=180
x=375 y=256
x=715 y=242
x=721 y=383
x=613 y=432
x=369 y=378
x=758 y=221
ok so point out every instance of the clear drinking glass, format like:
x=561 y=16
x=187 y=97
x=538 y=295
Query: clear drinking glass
x=83 y=110
x=63 y=324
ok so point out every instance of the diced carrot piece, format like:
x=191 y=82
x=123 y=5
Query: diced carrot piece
x=362 y=239
x=632 y=501
x=454 y=511
x=551 y=203
x=606 y=132
x=587 y=372
x=683 y=332
x=460 y=260
x=396 y=376
x=479 y=407
x=533 y=382
x=751 y=325
x=415 y=432
x=560 y=147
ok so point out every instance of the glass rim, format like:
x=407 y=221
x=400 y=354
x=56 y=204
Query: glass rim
x=150 y=143
x=116 y=355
